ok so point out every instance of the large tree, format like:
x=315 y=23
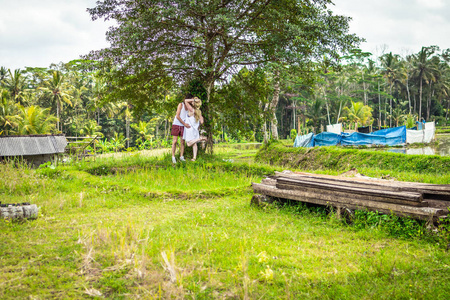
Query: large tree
x=212 y=39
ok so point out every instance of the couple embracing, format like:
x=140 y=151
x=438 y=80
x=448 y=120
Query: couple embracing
x=185 y=125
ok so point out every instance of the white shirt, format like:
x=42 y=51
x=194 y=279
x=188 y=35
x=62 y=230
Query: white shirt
x=183 y=115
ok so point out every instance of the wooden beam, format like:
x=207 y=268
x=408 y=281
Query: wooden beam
x=346 y=191
x=441 y=191
x=328 y=200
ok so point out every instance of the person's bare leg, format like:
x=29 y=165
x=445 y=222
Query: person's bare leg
x=181 y=148
x=194 y=149
x=174 y=148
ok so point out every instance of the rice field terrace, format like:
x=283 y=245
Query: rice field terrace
x=135 y=226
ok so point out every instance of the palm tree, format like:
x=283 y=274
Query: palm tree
x=143 y=130
x=391 y=71
x=444 y=86
x=3 y=73
x=8 y=117
x=16 y=84
x=423 y=69
x=398 y=113
x=96 y=100
x=35 y=120
x=125 y=110
x=315 y=112
x=118 y=141
x=358 y=113
x=56 y=87
x=91 y=128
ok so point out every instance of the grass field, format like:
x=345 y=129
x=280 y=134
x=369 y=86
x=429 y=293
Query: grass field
x=135 y=226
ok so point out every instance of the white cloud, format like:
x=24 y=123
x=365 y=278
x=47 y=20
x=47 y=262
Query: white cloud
x=403 y=25
x=431 y=3
x=38 y=33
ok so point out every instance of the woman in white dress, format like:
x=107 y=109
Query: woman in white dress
x=194 y=118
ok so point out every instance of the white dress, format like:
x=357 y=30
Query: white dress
x=191 y=135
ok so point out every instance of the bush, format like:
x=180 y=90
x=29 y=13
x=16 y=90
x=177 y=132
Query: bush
x=293 y=134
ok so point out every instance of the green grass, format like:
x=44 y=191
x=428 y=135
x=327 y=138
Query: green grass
x=137 y=226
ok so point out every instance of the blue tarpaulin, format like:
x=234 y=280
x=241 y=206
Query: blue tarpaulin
x=304 y=140
x=389 y=137
x=394 y=136
x=327 y=139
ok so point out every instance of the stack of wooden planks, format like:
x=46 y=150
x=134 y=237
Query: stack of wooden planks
x=416 y=200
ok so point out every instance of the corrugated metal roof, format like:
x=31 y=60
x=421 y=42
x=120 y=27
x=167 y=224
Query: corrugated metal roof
x=32 y=145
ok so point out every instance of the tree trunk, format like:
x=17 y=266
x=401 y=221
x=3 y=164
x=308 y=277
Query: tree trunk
x=429 y=101
x=420 y=98
x=409 y=94
x=207 y=117
x=273 y=107
x=390 y=106
x=364 y=88
x=264 y=124
x=448 y=108
x=127 y=129
x=58 y=110
x=328 y=110
x=379 y=104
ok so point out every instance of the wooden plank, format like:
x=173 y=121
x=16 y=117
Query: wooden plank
x=429 y=190
x=338 y=193
x=438 y=187
x=269 y=181
x=436 y=203
x=379 y=194
x=349 y=183
x=402 y=210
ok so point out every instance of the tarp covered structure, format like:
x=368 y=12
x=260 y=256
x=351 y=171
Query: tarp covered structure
x=304 y=140
x=327 y=139
x=387 y=137
x=421 y=136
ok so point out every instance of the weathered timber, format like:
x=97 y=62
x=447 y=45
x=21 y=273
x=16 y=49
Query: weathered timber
x=429 y=191
x=19 y=212
x=269 y=181
x=407 y=198
x=349 y=195
x=425 y=213
x=436 y=203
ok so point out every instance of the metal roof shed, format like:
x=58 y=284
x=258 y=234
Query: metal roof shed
x=36 y=149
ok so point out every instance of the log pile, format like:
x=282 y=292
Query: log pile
x=416 y=200
x=18 y=211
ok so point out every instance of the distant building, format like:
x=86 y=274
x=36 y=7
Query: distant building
x=35 y=149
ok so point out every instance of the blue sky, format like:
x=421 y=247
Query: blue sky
x=37 y=33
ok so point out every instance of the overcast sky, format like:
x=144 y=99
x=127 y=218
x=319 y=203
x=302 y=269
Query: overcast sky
x=400 y=26
x=36 y=33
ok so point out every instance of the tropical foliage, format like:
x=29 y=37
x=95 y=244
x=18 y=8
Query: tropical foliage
x=253 y=85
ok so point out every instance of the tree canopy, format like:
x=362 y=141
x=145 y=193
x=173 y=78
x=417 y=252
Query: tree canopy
x=211 y=40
